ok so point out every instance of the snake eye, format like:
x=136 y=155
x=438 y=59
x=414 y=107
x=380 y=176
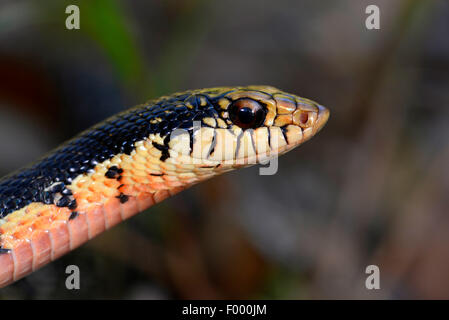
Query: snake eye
x=246 y=113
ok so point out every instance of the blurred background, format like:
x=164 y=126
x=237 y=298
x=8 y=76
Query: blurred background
x=371 y=188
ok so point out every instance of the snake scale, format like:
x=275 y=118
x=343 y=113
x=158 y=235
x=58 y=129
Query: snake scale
x=138 y=158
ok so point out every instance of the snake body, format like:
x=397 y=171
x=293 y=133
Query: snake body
x=138 y=158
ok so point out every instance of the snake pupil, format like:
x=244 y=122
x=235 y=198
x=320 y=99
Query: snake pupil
x=246 y=113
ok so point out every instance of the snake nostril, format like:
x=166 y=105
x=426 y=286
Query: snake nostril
x=304 y=117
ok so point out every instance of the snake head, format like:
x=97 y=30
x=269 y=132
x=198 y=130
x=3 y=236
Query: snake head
x=241 y=126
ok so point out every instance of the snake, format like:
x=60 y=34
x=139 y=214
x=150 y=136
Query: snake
x=137 y=158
